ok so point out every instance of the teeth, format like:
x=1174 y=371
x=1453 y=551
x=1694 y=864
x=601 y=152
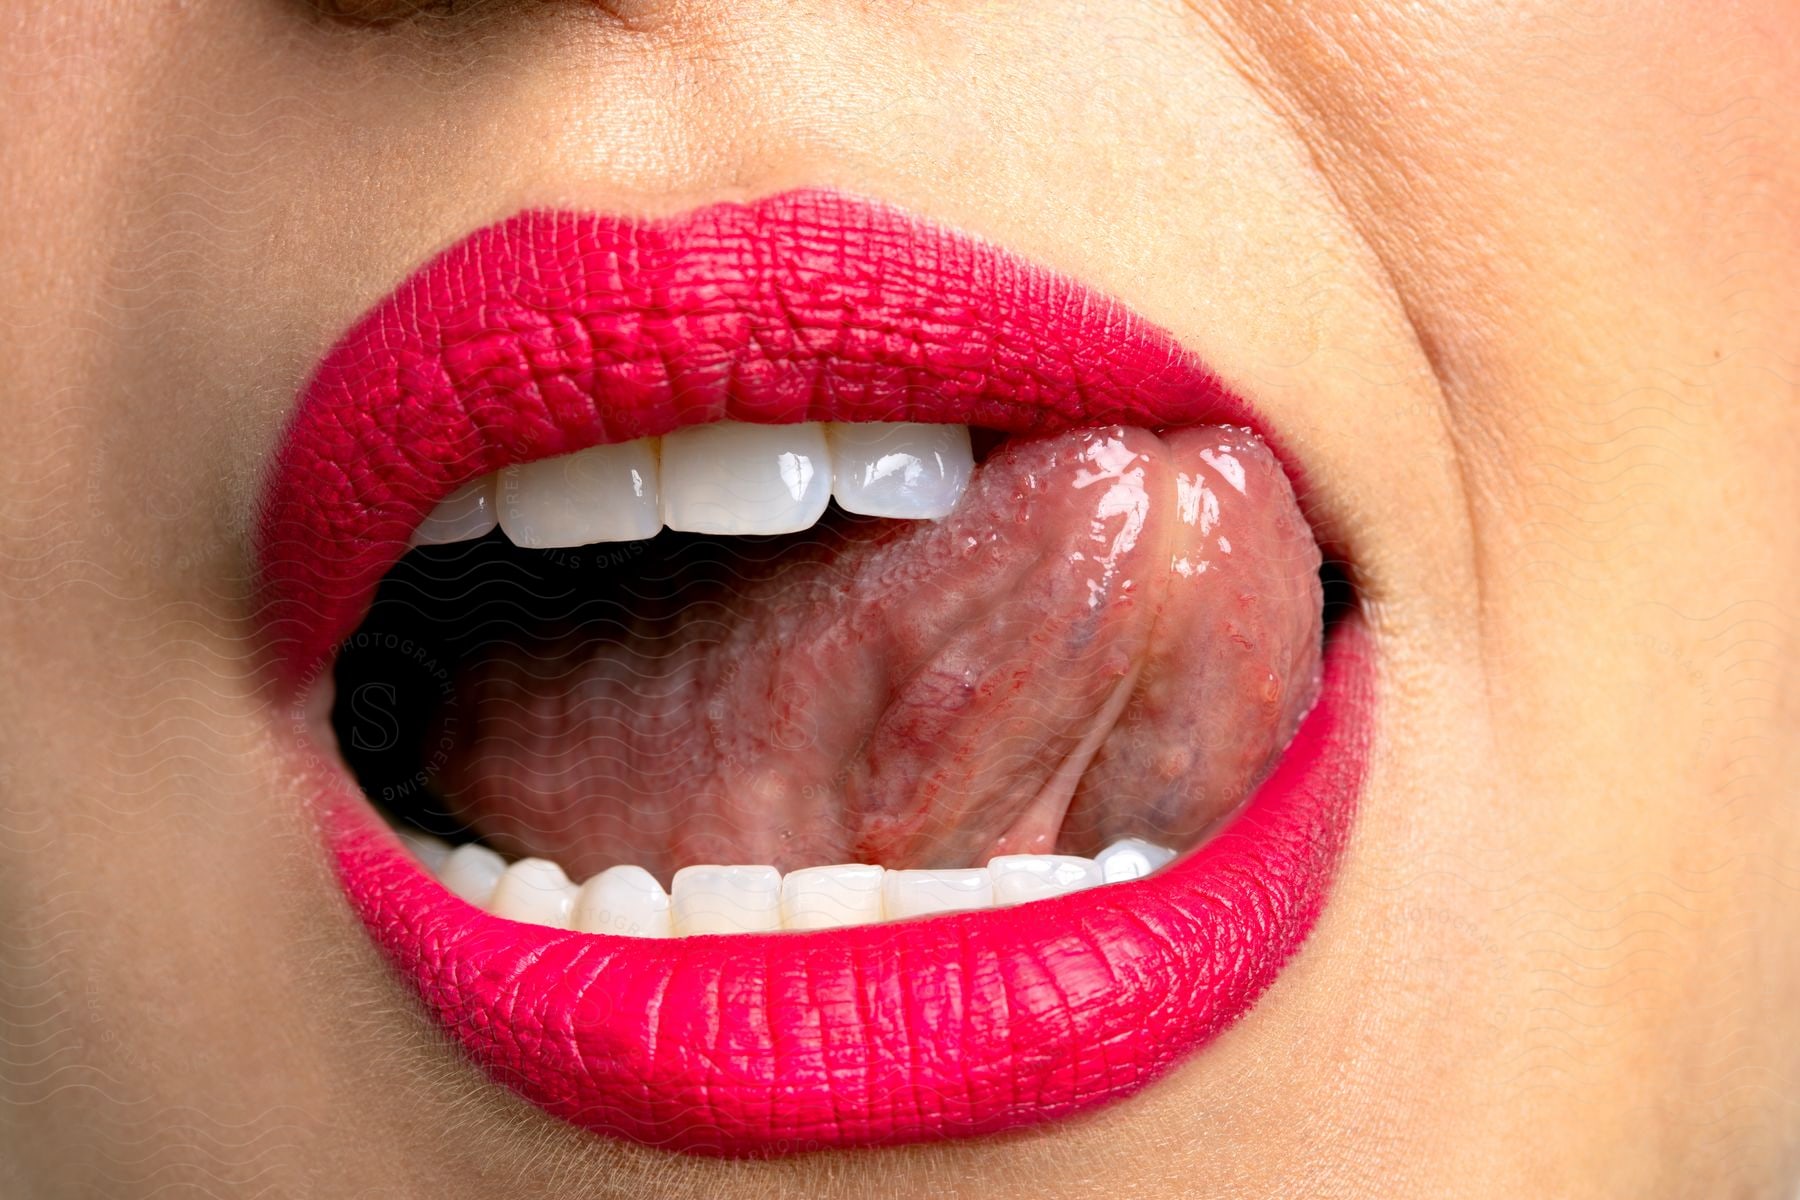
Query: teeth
x=623 y=900
x=828 y=897
x=900 y=470
x=734 y=478
x=725 y=478
x=430 y=852
x=922 y=893
x=628 y=901
x=1131 y=858
x=1022 y=877
x=463 y=515
x=715 y=899
x=535 y=890
x=471 y=872
x=603 y=494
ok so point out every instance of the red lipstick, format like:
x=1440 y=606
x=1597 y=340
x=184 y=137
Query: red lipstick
x=552 y=332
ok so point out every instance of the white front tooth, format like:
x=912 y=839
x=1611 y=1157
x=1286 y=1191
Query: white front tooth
x=1022 y=877
x=462 y=516
x=601 y=494
x=921 y=893
x=735 y=478
x=535 y=890
x=713 y=899
x=471 y=872
x=623 y=900
x=900 y=470
x=1131 y=858
x=827 y=897
x=431 y=852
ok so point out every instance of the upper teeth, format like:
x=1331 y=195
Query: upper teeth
x=751 y=899
x=723 y=478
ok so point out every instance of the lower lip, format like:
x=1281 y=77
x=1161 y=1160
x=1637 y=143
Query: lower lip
x=959 y=1025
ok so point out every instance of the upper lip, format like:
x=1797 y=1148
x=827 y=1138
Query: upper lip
x=555 y=331
x=551 y=332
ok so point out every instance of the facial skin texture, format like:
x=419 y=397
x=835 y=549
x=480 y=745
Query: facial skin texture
x=1516 y=283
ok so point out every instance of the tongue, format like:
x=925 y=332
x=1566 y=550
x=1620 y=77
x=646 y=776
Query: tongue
x=1114 y=634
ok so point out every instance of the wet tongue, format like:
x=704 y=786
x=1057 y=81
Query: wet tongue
x=1114 y=634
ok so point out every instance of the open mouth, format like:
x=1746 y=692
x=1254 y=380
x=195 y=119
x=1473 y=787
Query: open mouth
x=792 y=676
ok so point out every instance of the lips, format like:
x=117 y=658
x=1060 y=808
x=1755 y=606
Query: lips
x=554 y=332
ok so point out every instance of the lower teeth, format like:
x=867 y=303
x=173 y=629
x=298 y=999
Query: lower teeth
x=629 y=901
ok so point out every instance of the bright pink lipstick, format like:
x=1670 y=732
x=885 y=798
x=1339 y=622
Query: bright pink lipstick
x=552 y=332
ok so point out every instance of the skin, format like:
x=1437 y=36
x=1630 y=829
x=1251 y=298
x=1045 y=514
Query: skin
x=1516 y=283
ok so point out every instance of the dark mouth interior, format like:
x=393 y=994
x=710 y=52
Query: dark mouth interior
x=402 y=701
x=480 y=653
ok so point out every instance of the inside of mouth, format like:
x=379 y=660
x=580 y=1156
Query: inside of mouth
x=1068 y=678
